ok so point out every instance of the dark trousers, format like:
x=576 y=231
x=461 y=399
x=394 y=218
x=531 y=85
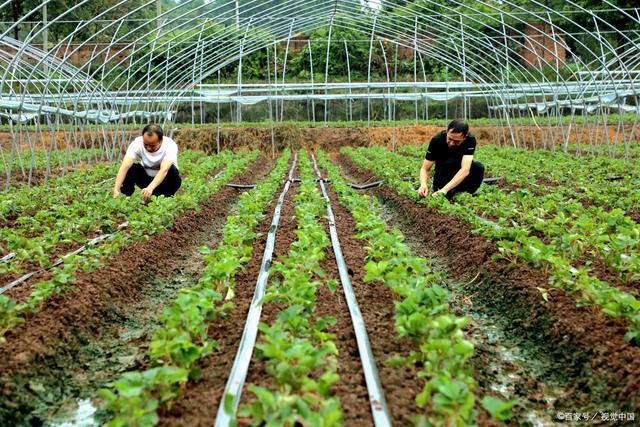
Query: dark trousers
x=137 y=176
x=446 y=170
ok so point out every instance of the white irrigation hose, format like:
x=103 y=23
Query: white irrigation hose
x=7 y=257
x=379 y=410
x=240 y=368
x=82 y=248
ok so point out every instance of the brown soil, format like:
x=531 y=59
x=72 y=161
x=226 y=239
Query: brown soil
x=546 y=183
x=635 y=216
x=526 y=136
x=63 y=140
x=243 y=138
x=49 y=344
x=332 y=138
x=257 y=374
x=199 y=404
x=587 y=346
x=352 y=387
x=22 y=291
x=376 y=302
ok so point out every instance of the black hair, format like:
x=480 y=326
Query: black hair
x=458 y=126
x=153 y=129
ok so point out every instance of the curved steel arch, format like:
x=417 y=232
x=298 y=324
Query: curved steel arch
x=481 y=41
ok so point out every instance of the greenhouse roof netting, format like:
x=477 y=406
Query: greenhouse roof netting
x=113 y=62
x=162 y=45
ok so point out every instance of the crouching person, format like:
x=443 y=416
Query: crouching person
x=456 y=172
x=157 y=173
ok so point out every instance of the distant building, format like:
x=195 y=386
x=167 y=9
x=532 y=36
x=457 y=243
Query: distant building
x=97 y=53
x=543 y=46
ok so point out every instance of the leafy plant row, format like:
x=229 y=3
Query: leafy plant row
x=581 y=178
x=26 y=201
x=561 y=220
x=297 y=349
x=584 y=179
x=35 y=238
x=144 y=221
x=440 y=351
x=513 y=239
x=182 y=339
x=24 y=160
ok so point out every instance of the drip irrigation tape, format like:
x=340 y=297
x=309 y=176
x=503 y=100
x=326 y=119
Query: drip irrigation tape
x=379 y=410
x=240 y=367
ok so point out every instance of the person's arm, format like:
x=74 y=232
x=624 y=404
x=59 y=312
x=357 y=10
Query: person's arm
x=423 y=191
x=157 y=180
x=127 y=162
x=464 y=171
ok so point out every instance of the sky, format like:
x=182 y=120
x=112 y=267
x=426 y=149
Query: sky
x=373 y=4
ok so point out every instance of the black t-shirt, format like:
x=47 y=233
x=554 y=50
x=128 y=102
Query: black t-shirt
x=439 y=149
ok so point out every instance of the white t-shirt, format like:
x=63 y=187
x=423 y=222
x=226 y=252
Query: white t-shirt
x=151 y=161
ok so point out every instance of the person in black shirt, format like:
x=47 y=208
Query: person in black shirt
x=452 y=152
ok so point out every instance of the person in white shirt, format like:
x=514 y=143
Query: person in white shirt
x=157 y=173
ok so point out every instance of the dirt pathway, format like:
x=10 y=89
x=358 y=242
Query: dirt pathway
x=552 y=356
x=83 y=339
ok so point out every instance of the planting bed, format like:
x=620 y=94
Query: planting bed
x=227 y=305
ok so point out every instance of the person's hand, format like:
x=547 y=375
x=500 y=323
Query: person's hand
x=116 y=193
x=146 y=194
x=438 y=193
x=423 y=191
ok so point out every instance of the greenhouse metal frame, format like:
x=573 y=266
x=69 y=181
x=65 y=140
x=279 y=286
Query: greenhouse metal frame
x=142 y=70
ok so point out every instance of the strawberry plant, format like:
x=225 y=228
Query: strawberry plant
x=498 y=409
x=143 y=221
x=136 y=402
x=182 y=339
x=9 y=316
x=440 y=351
x=297 y=348
x=570 y=231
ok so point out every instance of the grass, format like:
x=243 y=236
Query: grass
x=629 y=118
